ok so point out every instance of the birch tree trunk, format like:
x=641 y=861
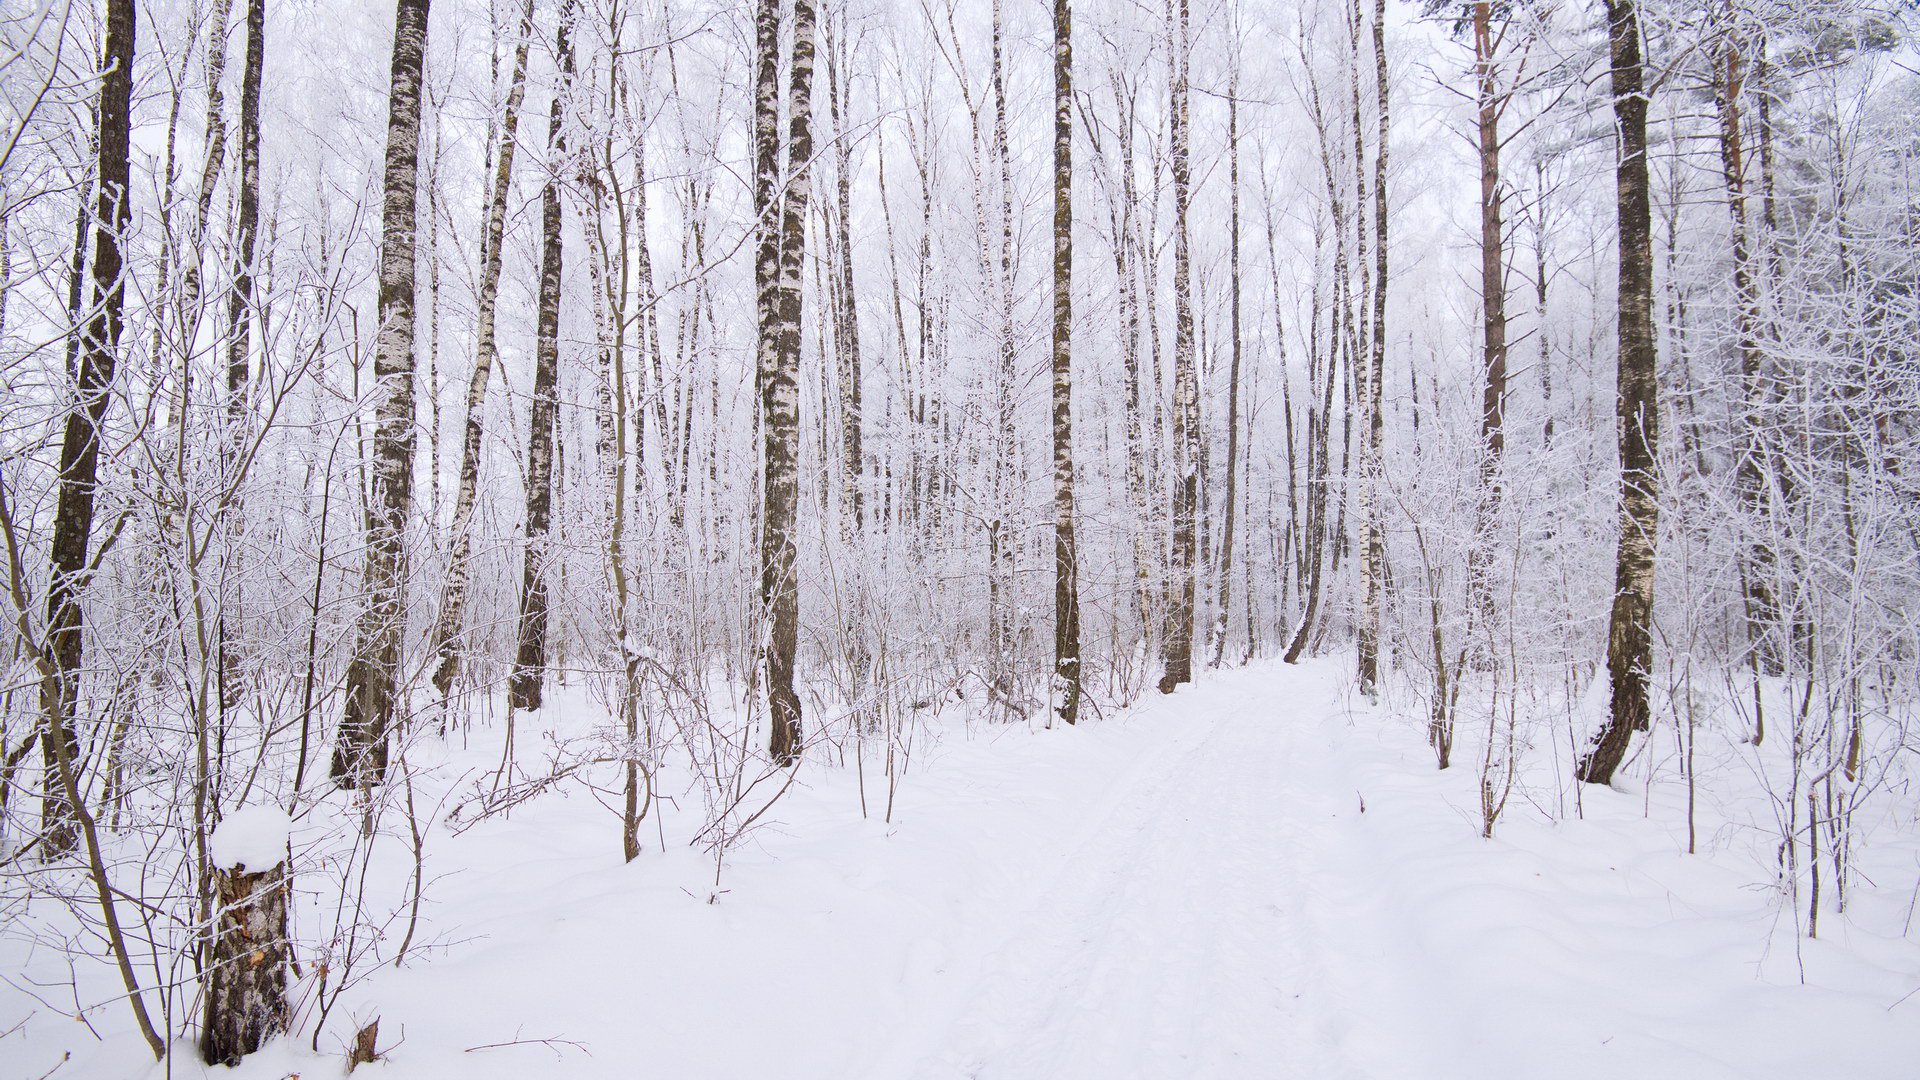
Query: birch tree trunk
x=846 y=315
x=1323 y=365
x=781 y=219
x=1145 y=558
x=611 y=276
x=246 y=980
x=246 y=217
x=188 y=310
x=1373 y=554
x=447 y=628
x=1629 y=629
x=1490 y=101
x=1003 y=532
x=1233 y=364
x=1178 y=654
x=96 y=348
x=849 y=370
x=247 y=969
x=530 y=657
x=373 y=673
x=1066 y=587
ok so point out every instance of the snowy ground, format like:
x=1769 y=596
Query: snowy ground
x=1190 y=889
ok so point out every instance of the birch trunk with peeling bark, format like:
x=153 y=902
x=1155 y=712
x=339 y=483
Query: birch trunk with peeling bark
x=846 y=313
x=1233 y=364
x=525 y=685
x=1066 y=589
x=1373 y=555
x=373 y=673
x=188 y=310
x=448 y=626
x=1145 y=561
x=1629 y=629
x=247 y=969
x=1178 y=654
x=1003 y=530
x=780 y=221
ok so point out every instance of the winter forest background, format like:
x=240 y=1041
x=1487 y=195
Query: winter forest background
x=700 y=424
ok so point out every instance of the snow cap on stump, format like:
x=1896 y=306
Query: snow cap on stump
x=253 y=838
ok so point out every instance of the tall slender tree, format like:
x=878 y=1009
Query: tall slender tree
x=846 y=311
x=1629 y=627
x=1489 y=29
x=97 y=347
x=530 y=657
x=240 y=312
x=1178 y=653
x=1233 y=345
x=447 y=627
x=373 y=672
x=1003 y=531
x=93 y=347
x=781 y=222
x=1373 y=554
x=1730 y=67
x=215 y=155
x=1066 y=556
x=246 y=224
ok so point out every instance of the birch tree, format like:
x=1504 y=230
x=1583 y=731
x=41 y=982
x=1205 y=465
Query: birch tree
x=1629 y=628
x=525 y=686
x=1185 y=570
x=1066 y=591
x=1373 y=554
x=1225 y=576
x=446 y=644
x=780 y=216
x=373 y=689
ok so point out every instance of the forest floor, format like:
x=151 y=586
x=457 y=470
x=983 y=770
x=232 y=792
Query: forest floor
x=1259 y=876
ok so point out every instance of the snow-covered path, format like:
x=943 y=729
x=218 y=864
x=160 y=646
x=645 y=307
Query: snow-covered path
x=1172 y=937
x=1256 y=877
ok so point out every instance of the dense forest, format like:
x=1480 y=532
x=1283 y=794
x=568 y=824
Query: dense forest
x=665 y=401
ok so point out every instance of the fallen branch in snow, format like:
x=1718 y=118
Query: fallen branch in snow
x=554 y=1044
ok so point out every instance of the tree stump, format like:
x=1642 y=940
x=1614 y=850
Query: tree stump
x=247 y=979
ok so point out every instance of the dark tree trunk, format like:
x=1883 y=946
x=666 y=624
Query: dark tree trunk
x=1757 y=564
x=1491 y=101
x=1629 y=630
x=530 y=658
x=246 y=229
x=373 y=673
x=98 y=346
